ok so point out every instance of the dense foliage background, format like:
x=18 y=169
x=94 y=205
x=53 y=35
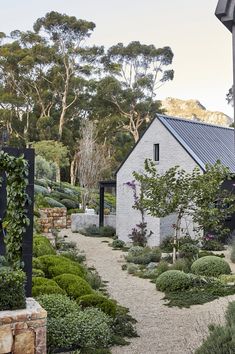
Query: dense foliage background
x=52 y=84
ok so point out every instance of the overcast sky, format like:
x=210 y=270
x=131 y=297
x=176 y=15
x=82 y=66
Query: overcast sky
x=201 y=45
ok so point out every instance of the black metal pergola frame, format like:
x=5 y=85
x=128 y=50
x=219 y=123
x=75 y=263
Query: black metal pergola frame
x=103 y=185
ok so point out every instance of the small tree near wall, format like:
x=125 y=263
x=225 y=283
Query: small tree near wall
x=188 y=194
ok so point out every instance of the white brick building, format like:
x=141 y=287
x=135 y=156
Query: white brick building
x=170 y=141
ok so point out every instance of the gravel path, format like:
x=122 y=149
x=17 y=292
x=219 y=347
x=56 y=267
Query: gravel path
x=162 y=330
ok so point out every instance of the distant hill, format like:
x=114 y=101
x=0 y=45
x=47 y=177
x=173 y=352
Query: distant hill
x=194 y=110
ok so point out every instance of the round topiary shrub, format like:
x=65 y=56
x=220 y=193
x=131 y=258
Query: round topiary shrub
x=58 y=305
x=42 y=246
x=173 y=280
x=95 y=328
x=62 y=332
x=53 y=265
x=94 y=300
x=210 y=266
x=12 y=294
x=43 y=286
x=68 y=268
x=74 y=285
x=118 y=244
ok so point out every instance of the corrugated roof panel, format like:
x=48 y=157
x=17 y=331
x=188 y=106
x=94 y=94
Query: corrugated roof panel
x=204 y=142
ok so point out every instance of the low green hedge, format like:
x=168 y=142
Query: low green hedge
x=74 y=285
x=53 y=265
x=173 y=280
x=210 y=266
x=58 y=305
x=94 y=300
x=43 y=286
x=12 y=293
x=42 y=246
x=67 y=268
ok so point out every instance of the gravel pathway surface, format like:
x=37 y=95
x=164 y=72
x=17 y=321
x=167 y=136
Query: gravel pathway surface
x=162 y=330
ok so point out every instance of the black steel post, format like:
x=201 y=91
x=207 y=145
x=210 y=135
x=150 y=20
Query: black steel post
x=101 y=208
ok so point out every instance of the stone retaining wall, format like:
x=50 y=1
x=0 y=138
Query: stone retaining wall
x=53 y=218
x=23 y=331
x=82 y=220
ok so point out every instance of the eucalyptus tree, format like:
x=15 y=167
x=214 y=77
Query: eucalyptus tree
x=134 y=74
x=73 y=62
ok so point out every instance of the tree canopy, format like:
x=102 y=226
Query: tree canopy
x=51 y=82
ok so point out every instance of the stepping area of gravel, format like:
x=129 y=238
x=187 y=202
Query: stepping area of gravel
x=162 y=330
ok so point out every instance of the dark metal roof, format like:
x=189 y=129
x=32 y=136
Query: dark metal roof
x=204 y=142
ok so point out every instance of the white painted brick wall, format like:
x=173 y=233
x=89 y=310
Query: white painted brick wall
x=171 y=154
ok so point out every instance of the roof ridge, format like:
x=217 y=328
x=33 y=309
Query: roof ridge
x=193 y=121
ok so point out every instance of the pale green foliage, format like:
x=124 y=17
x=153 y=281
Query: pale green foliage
x=210 y=266
x=173 y=280
x=44 y=168
x=53 y=151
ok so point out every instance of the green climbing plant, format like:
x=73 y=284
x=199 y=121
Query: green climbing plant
x=15 y=220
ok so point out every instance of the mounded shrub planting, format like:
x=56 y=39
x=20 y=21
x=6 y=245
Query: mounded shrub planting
x=42 y=246
x=68 y=268
x=189 y=251
x=94 y=326
x=54 y=203
x=74 y=285
x=70 y=204
x=37 y=273
x=143 y=255
x=58 y=305
x=94 y=300
x=210 y=266
x=107 y=231
x=12 y=293
x=173 y=280
x=87 y=329
x=43 y=286
x=62 y=332
x=49 y=264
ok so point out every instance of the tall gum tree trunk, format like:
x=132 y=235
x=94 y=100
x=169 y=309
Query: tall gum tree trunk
x=73 y=171
x=57 y=173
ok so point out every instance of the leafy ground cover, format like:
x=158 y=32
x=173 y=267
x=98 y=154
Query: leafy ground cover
x=197 y=277
x=80 y=313
x=221 y=339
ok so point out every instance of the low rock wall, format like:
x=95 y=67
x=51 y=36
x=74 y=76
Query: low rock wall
x=53 y=218
x=82 y=220
x=23 y=331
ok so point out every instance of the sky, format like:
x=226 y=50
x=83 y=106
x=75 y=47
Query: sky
x=202 y=46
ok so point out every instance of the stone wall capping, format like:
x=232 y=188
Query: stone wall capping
x=23 y=331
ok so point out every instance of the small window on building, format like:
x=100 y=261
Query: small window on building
x=156 y=152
